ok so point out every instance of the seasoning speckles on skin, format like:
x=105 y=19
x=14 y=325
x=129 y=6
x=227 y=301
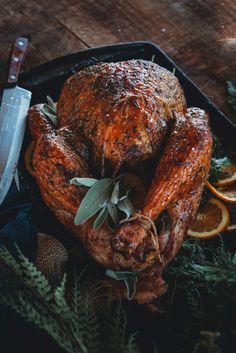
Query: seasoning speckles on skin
x=115 y=101
x=112 y=110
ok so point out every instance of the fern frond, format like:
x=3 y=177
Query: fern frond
x=60 y=305
x=216 y=273
x=24 y=304
x=116 y=333
x=88 y=321
x=77 y=322
x=34 y=278
x=132 y=346
x=120 y=323
x=195 y=303
x=202 y=266
x=9 y=261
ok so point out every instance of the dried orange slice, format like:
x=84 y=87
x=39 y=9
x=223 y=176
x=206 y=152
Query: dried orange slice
x=229 y=174
x=28 y=158
x=232 y=212
x=211 y=220
x=225 y=193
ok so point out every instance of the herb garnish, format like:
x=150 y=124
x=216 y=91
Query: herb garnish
x=78 y=314
x=50 y=110
x=231 y=89
x=216 y=170
x=153 y=58
x=130 y=279
x=106 y=196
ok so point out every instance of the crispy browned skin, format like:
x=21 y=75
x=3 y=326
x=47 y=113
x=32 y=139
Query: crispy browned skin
x=121 y=110
x=120 y=114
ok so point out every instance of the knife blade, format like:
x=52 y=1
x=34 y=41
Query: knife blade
x=13 y=114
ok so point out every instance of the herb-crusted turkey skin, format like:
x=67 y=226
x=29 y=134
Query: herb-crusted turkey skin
x=119 y=115
x=120 y=110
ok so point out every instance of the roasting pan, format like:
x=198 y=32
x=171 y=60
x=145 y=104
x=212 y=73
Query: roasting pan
x=48 y=79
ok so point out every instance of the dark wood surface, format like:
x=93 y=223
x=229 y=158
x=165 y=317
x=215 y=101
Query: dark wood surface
x=199 y=35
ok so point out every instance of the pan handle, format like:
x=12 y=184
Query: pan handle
x=17 y=55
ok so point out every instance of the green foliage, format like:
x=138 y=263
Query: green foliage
x=205 y=265
x=153 y=58
x=83 y=181
x=95 y=199
x=81 y=317
x=77 y=319
x=50 y=110
x=130 y=279
x=218 y=160
x=117 y=331
x=202 y=294
x=107 y=197
x=216 y=168
x=231 y=89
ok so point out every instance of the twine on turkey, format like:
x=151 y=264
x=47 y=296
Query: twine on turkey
x=148 y=224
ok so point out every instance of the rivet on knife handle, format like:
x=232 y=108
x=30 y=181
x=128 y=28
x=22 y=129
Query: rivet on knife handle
x=17 y=56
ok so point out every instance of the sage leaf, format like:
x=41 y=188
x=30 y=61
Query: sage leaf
x=131 y=286
x=48 y=109
x=120 y=275
x=51 y=104
x=110 y=223
x=115 y=193
x=95 y=199
x=124 y=196
x=126 y=206
x=50 y=114
x=130 y=279
x=100 y=218
x=83 y=181
x=113 y=213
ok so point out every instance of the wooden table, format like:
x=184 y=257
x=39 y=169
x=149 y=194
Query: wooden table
x=199 y=35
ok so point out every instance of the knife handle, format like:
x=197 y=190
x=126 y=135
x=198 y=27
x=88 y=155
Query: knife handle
x=17 y=55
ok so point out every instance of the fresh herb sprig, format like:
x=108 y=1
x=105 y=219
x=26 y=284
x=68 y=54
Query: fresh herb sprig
x=130 y=279
x=216 y=170
x=81 y=318
x=205 y=265
x=202 y=294
x=106 y=196
x=231 y=89
x=50 y=110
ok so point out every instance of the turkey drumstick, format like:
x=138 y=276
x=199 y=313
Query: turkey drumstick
x=182 y=169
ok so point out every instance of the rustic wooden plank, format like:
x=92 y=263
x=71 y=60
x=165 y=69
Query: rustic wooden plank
x=193 y=33
x=199 y=35
x=49 y=39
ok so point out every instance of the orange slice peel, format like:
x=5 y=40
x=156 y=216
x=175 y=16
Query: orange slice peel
x=211 y=220
x=229 y=170
x=225 y=193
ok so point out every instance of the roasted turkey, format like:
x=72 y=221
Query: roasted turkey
x=129 y=116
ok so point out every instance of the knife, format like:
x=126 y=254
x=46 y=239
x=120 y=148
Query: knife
x=13 y=114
